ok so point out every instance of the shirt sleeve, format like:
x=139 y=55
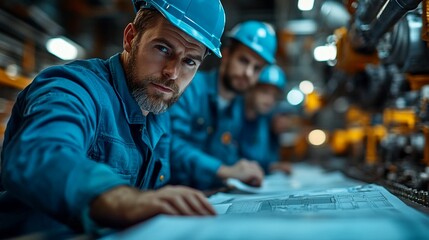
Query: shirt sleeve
x=45 y=162
x=190 y=165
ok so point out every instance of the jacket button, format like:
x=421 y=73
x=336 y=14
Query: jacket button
x=161 y=178
x=209 y=129
x=226 y=138
x=200 y=121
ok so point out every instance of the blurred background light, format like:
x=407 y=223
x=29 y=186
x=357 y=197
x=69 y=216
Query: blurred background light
x=295 y=97
x=306 y=87
x=62 y=48
x=305 y=5
x=317 y=137
x=325 y=53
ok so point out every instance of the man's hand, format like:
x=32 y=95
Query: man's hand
x=124 y=206
x=246 y=171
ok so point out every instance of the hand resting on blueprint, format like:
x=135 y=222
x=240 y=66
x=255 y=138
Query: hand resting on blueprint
x=125 y=206
x=248 y=172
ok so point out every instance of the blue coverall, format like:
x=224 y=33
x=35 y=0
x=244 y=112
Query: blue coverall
x=74 y=133
x=204 y=136
x=257 y=142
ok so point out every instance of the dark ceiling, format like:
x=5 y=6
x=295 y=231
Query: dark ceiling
x=97 y=26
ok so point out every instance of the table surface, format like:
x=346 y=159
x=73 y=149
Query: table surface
x=310 y=203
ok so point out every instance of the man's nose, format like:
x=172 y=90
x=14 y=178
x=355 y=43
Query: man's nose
x=249 y=71
x=171 y=69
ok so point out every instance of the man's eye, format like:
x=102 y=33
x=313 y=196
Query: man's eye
x=190 y=62
x=162 y=49
x=243 y=60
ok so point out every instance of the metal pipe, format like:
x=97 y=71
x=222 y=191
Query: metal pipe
x=365 y=37
x=368 y=10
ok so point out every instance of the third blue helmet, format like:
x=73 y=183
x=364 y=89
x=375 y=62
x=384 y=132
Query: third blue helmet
x=273 y=75
x=203 y=20
x=258 y=36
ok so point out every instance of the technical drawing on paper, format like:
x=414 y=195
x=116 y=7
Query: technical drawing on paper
x=361 y=198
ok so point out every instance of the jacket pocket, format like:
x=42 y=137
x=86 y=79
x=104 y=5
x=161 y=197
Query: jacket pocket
x=124 y=158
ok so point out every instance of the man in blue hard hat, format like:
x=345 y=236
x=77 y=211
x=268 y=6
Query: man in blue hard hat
x=87 y=145
x=206 y=121
x=259 y=138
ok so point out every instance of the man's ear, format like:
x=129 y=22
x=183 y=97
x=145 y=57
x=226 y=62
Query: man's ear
x=129 y=34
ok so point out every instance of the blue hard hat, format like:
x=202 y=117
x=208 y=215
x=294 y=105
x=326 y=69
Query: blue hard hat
x=203 y=20
x=258 y=36
x=273 y=75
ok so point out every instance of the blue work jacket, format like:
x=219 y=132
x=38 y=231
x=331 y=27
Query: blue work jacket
x=258 y=143
x=74 y=133
x=204 y=136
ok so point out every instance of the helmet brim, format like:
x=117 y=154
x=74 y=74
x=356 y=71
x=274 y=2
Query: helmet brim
x=189 y=30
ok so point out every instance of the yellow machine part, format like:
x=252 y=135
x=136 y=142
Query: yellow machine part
x=357 y=117
x=313 y=102
x=400 y=118
x=339 y=141
x=374 y=135
x=348 y=59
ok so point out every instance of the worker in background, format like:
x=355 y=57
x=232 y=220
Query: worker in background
x=87 y=141
x=258 y=140
x=206 y=121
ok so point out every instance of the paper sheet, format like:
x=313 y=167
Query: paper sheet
x=310 y=204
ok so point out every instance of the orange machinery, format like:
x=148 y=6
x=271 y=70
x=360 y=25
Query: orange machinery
x=387 y=35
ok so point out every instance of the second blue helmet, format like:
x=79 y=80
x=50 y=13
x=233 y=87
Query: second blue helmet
x=258 y=36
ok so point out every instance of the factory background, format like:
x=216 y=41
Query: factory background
x=358 y=74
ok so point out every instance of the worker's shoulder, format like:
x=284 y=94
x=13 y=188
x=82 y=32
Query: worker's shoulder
x=76 y=69
x=203 y=82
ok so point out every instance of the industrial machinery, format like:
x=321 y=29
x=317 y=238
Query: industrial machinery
x=382 y=68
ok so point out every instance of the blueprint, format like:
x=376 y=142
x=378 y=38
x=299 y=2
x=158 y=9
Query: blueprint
x=365 y=199
x=310 y=204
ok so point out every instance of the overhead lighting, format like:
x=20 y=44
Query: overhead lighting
x=305 y=5
x=317 y=137
x=325 y=53
x=302 y=27
x=306 y=87
x=295 y=97
x=63 y=48
x=12 y=70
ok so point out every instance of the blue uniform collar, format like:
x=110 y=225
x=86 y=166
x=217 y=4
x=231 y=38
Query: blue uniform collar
x=213 y=89
x=133 y=113
x=132 y=110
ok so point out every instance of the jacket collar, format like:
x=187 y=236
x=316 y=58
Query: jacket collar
x=159 y=123
x=133 y=114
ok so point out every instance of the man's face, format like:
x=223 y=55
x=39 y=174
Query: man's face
x=265 y=97
x=160 y=65
x=242 y=69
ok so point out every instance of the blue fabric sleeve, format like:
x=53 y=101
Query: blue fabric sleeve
x=191 y=166
x=44 y=162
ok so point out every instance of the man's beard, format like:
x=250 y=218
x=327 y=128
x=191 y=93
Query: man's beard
x=147 y=101
x=227 y=83
x=152 y=103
